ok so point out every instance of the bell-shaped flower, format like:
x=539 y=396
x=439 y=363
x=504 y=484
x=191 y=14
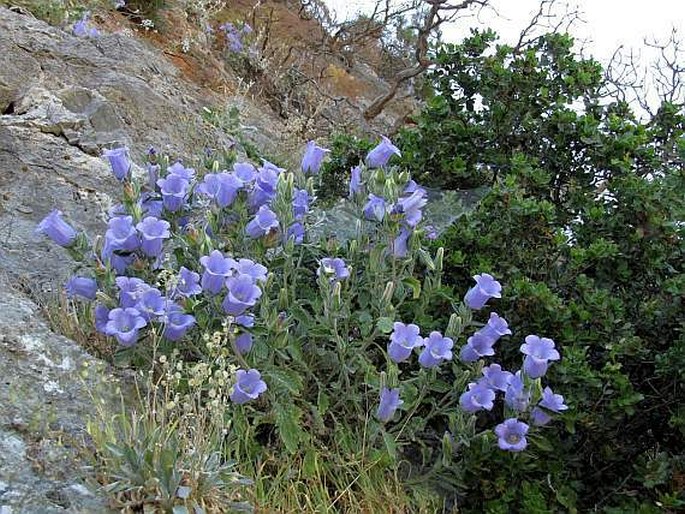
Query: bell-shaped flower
x=389 y=402
x=265 y=187
x=381 y=154
x=496 y=378
x=101 y=317
x=403 y=339
x=301 y=200
x=375 y=208
x=121 y=234
x=411 y=206
x=248 y=386
x=222 y=188
x=187 y=174
x=153 y=232
x=296 y=232
x=217 y=268
x=176 y=323
x=130 y=290
x=187 y=284
x=550 y=402
x=124 y=324
x=400 y=247
x=245 y=320
x=538 y=351
x=263 y=223
x=243 y=343
x=253 y=269
x=334 y=268
x=57 y=229
x=495 y=328
x=242 y=294
x=437 y=349
x=119 y=161
x=512 y=435
x=477 y=397
x=174 y=189
x=151 y=304
x=313 y=158
x=517 y=395
x=486 y=287
x=355 y=181
x=245 y=172
x=476 y=346
x=81 y=286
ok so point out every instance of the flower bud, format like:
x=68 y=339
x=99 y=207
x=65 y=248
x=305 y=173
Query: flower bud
x=386 y=299
x=455 y=327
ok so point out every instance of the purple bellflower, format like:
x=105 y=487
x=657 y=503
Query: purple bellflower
x=248 y=386
x=121 y=234
x=476 y=346
x=57 y=229
x=174 y=189
x=296 y=231
x=478 y=397
x=243 y=343
x=437 y=349
x=242 y=294
x=263 y=223
x=496 y=378
x=130 y=290
x=403 y=340
x=313 y=158
x=486 y=287
x=512 y=435
x=381 y=154
x=517 y=395
x=101 y=315
x=301 y=200
x=375 y=208
x=245 y=172
x=176 y=323
x=124 y=324
x=188 y=284
x=81 y=286
x=495 y=328
x=248 y=267
x=538 y=351
x=179 y=170
x=221 y=187
x=333 y=267
x=400 y=246
x=217 y=268
x=153 y=232
x=411 y=207
x=550 y=402
x=389 y=402
x=119 y=161
x=151 y=304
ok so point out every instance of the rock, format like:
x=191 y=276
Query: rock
x=45 y=405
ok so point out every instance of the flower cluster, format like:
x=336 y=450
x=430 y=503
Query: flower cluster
x=82 y=29
x=172 y=268
x=235 y=37
x=403 y=340
x=518 y=388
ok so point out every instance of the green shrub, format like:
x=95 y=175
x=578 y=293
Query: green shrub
x=584 y=222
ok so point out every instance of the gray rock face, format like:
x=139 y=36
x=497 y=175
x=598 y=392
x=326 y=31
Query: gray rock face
x=63 y=100
x=45 y=405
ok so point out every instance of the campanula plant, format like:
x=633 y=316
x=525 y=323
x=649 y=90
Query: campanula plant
x=315 y=342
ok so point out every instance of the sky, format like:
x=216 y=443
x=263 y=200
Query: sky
x=606 y=25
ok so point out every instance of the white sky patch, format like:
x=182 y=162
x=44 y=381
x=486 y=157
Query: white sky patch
x=608 y=23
